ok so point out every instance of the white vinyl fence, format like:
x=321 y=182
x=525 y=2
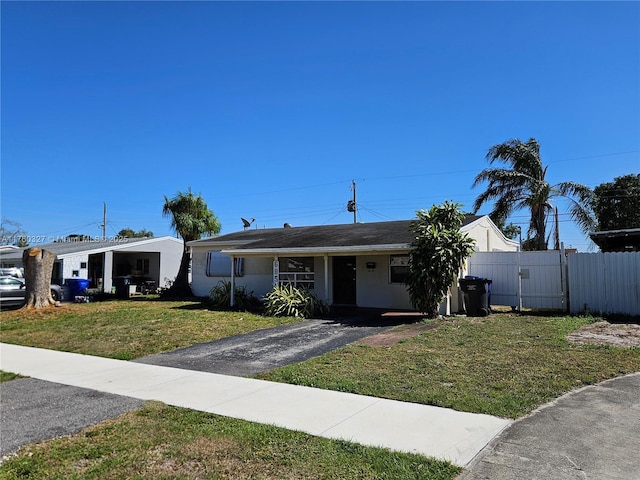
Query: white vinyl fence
x=579 y=282
x=605 y=282
x=522 y=279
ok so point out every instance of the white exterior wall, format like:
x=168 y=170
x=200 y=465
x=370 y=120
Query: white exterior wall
x=71 y=263
x=107 y=267
x=373 y=288
x=257 y=278
x=488 y=237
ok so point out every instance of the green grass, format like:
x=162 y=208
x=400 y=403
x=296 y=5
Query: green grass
x=7 y=376
x=504 y=365
x=126 y=329
x=161 y=442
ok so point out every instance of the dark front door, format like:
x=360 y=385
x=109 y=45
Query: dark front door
x=344 y=280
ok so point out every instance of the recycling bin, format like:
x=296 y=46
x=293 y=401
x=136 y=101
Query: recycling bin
x=77 y=287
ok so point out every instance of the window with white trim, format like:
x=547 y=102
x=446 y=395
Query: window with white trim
x=297 y=271
x=398 y=268
x=219 y=265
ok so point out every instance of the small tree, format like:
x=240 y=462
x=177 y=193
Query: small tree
x=617 y=203
x=130 y=233
x=12 y=233
x=38 y=265
x=439 y=248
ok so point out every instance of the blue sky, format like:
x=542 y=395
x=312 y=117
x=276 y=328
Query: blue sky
x=271 y=109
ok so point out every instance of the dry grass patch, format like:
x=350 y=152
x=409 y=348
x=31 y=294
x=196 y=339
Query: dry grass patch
x=605 y=333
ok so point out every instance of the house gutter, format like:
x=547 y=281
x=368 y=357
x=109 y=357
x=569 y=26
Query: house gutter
x=317 y=251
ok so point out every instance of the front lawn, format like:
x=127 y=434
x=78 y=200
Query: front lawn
x=504 y=365
x=126 y=329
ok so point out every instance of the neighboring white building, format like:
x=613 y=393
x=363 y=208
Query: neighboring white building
x=361 y=264
x=144 y=259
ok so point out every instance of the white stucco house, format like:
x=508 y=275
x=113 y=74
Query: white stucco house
x=361 y=265
x=152 y=260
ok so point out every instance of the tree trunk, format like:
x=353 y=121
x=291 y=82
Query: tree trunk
x=38 y=266
x=180 y=287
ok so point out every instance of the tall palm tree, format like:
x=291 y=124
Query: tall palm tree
x=190 y=218
x=523 y=185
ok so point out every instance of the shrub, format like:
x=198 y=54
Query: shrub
x=289 y=301
x=220 y=298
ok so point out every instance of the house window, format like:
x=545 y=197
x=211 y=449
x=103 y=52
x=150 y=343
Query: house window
x=142 y=266
x=219 y=265
x=398 y=268
x=297 y=271
x=83 y=264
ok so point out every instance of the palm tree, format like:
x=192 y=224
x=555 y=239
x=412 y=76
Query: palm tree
x=523 y=185
x=190 y=218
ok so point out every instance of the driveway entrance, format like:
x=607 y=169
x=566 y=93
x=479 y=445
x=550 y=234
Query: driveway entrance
x=263 y=350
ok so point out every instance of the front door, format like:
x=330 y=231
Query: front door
x=344 y=280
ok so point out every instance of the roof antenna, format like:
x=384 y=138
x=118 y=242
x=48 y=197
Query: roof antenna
x=247 y=223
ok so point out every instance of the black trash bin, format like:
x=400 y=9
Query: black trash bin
x=476 y=296
x=122 y=286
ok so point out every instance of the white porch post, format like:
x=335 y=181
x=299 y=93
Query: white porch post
x=233 y=281
x=326 y=277
x=276 y=271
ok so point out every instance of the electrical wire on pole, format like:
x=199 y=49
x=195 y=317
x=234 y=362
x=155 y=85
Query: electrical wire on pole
x=351 y=204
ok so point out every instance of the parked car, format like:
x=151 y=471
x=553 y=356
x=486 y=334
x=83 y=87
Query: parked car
x=11 y=272
x=12 y=292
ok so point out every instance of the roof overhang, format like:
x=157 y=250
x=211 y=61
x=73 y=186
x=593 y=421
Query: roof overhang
x=318 y=251
x=627 y=240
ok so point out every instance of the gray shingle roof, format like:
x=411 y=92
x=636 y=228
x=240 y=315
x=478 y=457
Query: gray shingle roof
x=324 y=236
x=65 y=248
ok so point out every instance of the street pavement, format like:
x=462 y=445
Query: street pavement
x=591 y=433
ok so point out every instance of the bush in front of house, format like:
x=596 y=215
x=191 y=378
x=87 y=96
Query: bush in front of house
x=289 y=301
x=220 y=298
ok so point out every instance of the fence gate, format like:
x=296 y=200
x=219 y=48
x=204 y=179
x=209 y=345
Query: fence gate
x=523 y=279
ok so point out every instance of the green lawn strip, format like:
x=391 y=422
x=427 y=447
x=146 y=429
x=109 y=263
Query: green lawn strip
x=162 y=442
x=126 y=329
x=504 y=365
x=6 y=376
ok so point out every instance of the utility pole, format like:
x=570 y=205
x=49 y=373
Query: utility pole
x=355 y=207
x=556 y=236
x=351 y=204
x=104 y=221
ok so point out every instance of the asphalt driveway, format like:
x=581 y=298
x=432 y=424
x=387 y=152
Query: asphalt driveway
x=263 y=350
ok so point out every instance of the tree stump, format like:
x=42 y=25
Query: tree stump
x=38 y=266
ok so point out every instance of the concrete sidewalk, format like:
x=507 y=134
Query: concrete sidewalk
x=431 y=431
